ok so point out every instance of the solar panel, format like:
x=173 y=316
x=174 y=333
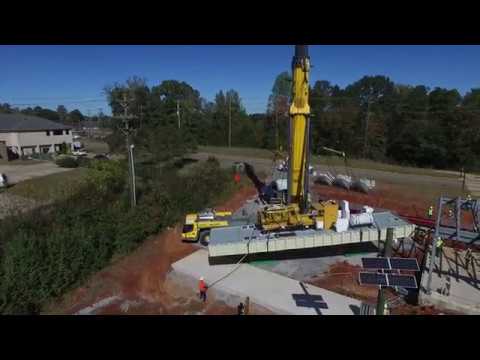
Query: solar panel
x=366 y=278
x=405 y=281
x=392 y=271
x=375 y=263
x=404 y=264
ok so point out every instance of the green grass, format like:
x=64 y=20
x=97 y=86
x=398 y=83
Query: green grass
x=95 y=146
x=51 y=187
x=329 y=161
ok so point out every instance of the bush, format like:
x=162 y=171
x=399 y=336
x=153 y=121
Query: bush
x=46 y=252
x=67 y=162
x=84 y=161
x=42 y=156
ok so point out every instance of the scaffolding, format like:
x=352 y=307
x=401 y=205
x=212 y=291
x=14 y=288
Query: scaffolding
x=453 y=209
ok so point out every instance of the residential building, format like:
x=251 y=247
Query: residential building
x=26 y=135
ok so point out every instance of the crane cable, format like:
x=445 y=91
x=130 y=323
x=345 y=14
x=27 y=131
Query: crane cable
x=229 y=273
x=237 y=265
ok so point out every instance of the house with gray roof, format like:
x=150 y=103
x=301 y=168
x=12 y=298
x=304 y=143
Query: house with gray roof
x=25 y=135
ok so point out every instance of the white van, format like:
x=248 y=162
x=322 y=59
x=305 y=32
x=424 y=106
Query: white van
x=3 y=181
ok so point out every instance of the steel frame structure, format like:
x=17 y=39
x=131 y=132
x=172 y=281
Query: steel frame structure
x=457 y=233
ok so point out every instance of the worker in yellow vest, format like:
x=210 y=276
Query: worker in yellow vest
x=439 y=243
x=430 y=211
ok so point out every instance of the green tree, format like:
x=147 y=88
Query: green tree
x=276 y=123
x=6 y=108
x=471 y=100
x=62 y=113
x=443 y=100
x=75 y=118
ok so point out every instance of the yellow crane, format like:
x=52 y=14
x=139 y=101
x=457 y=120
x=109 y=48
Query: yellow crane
x=299 y=129
x=299 y=212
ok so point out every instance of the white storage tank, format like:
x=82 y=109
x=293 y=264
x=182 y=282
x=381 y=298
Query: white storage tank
x=361 y=219
x=345 y=208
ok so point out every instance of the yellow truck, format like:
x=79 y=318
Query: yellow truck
x=197 y=226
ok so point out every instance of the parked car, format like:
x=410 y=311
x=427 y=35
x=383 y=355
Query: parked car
x=79 y=153
x=3 y=181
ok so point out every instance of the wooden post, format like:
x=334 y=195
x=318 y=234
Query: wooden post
x=387 y=251
x=380 y=302
x=247 y=306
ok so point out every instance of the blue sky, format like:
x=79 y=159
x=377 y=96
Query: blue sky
x=75 y=75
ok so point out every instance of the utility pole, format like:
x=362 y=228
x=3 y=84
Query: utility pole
x=365 y=136
x=131 y=168
x=380 y=302
x=276 y=125
x=178 y=113
x=230 y=121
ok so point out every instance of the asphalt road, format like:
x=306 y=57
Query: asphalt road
x=266 y=165
x=18 y=172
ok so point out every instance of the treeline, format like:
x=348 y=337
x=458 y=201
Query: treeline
x=73 y=118
x=372 y=118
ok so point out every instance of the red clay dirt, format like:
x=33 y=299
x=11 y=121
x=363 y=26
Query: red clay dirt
x=140 y=278
x=139 y=282
x=384 y=196
x=342 y=279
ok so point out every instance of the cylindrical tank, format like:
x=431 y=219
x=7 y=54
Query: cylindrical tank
x=361 y=219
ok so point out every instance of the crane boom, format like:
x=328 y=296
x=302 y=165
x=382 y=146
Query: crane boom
x=299 y=152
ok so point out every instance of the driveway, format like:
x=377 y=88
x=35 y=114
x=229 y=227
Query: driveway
x=20 y=172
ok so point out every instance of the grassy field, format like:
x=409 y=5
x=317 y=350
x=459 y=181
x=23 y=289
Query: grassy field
x=95 y=146
x=50 y=187
x=330 y=161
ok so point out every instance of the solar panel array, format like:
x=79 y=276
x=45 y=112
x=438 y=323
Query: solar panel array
x=366 y=278
x=382 y=263
x=387 y=280
x=388 y=272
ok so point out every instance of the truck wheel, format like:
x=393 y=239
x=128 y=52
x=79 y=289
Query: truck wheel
x=204 y=238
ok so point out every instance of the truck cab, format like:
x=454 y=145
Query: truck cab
x=197 y=226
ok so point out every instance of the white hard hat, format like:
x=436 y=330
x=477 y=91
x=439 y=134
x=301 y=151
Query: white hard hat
x=201 y=277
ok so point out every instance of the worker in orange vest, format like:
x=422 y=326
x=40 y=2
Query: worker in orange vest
x=202 y=287
x=236 y=178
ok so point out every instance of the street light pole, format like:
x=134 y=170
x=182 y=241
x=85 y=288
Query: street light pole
x=127 y=130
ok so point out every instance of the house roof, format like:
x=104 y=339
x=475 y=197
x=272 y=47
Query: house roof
x=21 y=122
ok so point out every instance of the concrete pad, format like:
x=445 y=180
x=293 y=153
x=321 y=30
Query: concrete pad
x=277 y=293
x=454 y=285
